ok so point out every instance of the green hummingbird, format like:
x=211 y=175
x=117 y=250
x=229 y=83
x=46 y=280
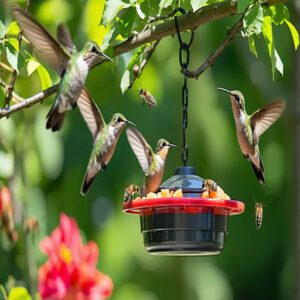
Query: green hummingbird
x=152 y=163
x=250 y=128
x=105 y=137
x=71 y=65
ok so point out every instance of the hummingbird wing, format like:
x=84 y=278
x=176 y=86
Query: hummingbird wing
x=90 y=113
x=45 y=45
x=64 y=37
x=141 y=149
x=263 y=118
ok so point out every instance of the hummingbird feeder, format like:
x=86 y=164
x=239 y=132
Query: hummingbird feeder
x=191 y=224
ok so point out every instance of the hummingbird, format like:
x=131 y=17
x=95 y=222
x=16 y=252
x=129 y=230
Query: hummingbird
x=249 y=128
x=105 y=137
x=71 y=65
x=152 y=163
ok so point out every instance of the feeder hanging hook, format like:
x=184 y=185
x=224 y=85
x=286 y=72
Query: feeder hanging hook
x=184 y=63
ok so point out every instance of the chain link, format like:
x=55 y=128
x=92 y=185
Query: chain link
x=184 y=60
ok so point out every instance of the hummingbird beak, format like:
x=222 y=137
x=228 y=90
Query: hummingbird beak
x=107 y=57
x=128 y=122
x=224 y=90
x=172 y=145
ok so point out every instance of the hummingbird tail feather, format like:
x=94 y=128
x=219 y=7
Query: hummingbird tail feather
x=90 y=177
x=259 y=171
x=55 y=119
x=86 y=184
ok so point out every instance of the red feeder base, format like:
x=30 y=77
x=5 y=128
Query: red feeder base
x=184 y=226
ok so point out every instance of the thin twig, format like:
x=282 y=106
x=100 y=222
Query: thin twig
x=14 y=95
x=212 y=58
x=146 y=57
x=9 y=90
x=6 y=67
x=39 y=97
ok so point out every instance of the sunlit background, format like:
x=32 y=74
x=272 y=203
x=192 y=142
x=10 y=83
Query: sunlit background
x=47 y=168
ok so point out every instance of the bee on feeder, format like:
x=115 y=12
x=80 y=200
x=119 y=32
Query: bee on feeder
x=147 y=97
x=31 y=224
x=258 y=215
x=131 y=192
x=213 y=190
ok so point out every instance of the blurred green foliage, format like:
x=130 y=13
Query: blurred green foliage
x=45 y=169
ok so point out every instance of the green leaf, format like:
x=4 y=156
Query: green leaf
x=252 y=44
x=19 y=293
x=294 y=33
x=126 y=22
x=32 y=66
x=196 y=4
x=110 y=37
x=165 y=3
x=130 y=61
x=253 y=20
x=112 y=8
x=3 y=295
x=278 y=62
x=268 y=35
x=140 y=12
x=13 y=29
x=3 y=30
x=14 y=42
x=12 y=55
x=242 y=5
x=274 y=56
x=280 y=13
x=125 y=81
x=44 y=77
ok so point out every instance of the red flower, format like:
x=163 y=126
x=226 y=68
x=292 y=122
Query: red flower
x=70 y=272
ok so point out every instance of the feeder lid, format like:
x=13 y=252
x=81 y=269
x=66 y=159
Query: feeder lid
x=184 y=178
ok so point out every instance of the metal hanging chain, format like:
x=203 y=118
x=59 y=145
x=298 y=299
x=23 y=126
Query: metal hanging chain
x=184 y=60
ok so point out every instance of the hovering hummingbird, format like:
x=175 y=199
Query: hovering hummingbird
x=71 y=65
x=250 y=128
x=105 y=137
x=152 y=163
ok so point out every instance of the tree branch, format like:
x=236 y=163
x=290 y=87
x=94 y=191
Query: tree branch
x=5 y=112
x=213 y=57
x=9 y=90
x=189 y=21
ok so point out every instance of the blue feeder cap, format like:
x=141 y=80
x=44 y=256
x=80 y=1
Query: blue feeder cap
x=185 y=178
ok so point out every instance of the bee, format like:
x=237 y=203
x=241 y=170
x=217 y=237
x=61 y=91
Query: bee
x=147 y=97
x=258 y=215
x=131 y=193
x=211 y=185
x=8 y=224
x=31 y=224
x=213 y=190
